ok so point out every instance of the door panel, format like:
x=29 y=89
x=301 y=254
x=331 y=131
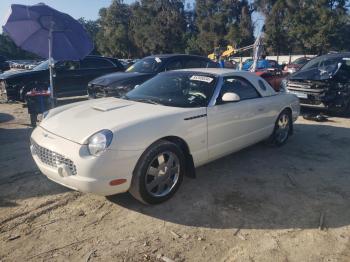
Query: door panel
x=66 y=78
x=235 y=125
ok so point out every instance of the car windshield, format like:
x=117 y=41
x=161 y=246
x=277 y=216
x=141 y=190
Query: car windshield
x=320 y=68
x=42 y=66
x=300 y=61
x=146 y=65
x=177 y=89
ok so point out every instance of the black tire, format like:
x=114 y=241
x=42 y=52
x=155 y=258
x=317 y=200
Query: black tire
x=138 y=184
x=276 y=138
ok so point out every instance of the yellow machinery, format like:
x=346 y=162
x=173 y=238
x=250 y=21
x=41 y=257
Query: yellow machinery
x=230 y=51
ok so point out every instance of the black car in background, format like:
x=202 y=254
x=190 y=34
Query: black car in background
x=71 y=77
x=118 y=84
x=4 y=65
x=323 y=83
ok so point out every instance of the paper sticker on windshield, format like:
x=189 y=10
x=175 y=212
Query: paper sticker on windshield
x=202 y=78
x=158 y=59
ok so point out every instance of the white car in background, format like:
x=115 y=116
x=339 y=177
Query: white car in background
x=146 y=142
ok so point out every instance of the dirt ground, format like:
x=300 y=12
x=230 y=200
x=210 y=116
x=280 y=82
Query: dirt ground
x=261 y=204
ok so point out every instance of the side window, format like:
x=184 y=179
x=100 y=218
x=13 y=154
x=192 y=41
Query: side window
x=262 y=85
x=89 y=63
x=240 y=86
x=173 y=65
x=118 y=64
x=194 y=63
x=67 y=65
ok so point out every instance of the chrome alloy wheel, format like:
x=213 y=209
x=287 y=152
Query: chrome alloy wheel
x=283 y=126
x=162 y=174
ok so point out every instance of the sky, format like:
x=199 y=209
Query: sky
x=79 y=8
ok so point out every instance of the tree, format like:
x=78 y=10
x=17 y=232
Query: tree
x=158 y=26
x=276 y=32
x=223 y=22
x=319 y=25
x=315 y=26
x=113 y=36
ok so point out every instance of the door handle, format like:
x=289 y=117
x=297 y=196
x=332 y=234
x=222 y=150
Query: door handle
x=261 y=109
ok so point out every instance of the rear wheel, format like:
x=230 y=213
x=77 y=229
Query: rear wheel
x=159 y=173
x=283 y=128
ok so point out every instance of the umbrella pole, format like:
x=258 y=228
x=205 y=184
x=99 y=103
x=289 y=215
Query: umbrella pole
x=51 y=71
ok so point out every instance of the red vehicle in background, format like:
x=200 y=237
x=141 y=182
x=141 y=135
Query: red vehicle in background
x=296 y=64
x=273 y=74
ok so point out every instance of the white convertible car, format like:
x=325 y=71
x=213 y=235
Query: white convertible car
x=160 y=131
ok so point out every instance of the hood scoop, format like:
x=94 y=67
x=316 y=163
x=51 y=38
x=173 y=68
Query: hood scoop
x=105 y=107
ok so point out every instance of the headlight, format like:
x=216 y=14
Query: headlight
x=99 y=142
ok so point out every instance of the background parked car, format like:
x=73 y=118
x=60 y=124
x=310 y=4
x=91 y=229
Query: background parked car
x=118 y=84
x=323 y=83
x=4 y=65
x=71 y=77
x=296 y=64
x=273 y=76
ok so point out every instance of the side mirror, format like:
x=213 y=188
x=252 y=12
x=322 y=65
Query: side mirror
x=230 y=97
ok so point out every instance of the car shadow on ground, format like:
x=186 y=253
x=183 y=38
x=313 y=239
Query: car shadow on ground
x=5 y=117
x=263 y=187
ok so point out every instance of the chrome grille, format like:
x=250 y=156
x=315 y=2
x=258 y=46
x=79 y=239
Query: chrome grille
x=51 y=158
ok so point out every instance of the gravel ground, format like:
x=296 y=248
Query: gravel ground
x=261 y=204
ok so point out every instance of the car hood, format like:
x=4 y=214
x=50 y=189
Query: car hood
x=19 y=73
x=120 y=78
x=78 y=121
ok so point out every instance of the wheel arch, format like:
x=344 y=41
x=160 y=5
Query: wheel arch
x=190 y=168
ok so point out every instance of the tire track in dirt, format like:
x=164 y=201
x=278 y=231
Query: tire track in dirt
x=28 y=216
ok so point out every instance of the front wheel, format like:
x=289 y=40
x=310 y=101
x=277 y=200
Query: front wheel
x=159 y=173
x=283 y=128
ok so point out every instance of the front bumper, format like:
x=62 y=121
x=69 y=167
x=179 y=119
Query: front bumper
x=90 y=174
x=328 y=98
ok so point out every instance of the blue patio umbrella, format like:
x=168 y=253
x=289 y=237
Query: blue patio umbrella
x=48 y=33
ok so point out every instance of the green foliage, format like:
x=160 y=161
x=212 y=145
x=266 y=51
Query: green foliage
x=165 y=26
x=315 y=26
x=221 y=23
x=113 y=37
x=158 y=26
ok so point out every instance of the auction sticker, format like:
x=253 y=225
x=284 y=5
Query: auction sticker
x=202 y=78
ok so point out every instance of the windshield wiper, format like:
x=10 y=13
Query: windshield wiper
x=145 y=100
